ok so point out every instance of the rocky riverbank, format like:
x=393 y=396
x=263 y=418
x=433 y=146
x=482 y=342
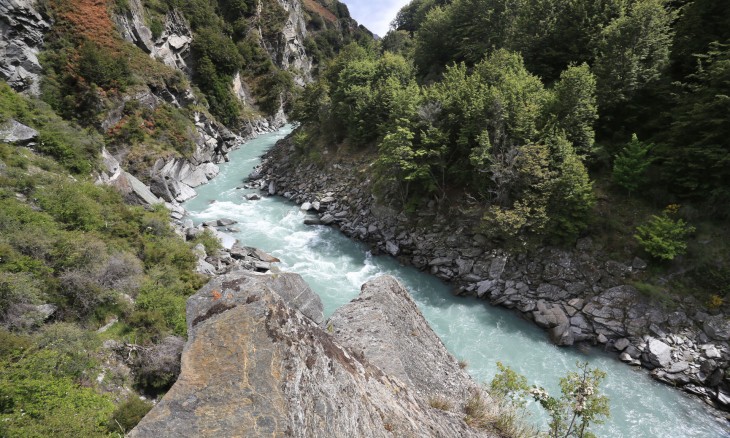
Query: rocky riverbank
x=578 y=294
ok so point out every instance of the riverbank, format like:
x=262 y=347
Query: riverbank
x=578 y=295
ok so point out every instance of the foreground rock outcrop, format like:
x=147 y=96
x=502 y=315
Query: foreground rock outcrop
x=257 y=364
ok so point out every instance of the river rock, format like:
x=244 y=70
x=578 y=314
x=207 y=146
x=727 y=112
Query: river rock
x=392 y=248
x=327 y=219
x=621 y=344
x=254 y=366
x=253 y=197
x=658 y=353
x=306 y=206
x=717 y=327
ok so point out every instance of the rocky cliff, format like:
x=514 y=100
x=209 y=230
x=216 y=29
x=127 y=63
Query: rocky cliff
x=22 y=27
x=257 y=363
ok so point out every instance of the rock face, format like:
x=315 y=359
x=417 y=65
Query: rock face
x=255 y=366
x=384 y=325
x=21 y=36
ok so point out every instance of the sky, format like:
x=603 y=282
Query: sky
x=376 y=15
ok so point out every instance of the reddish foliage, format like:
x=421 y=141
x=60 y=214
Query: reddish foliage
x=313 y=6
x=86 y=19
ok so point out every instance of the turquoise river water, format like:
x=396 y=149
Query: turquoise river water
x=335 y=267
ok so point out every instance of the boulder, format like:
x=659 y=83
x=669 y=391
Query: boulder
x=658 y=353
x=392 y=248
x=717 y=327
x=255 y=366
x=327 y=219
x=15 y=132
x=384 y=324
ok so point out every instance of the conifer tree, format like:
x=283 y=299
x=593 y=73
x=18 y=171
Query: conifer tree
x=630 y=164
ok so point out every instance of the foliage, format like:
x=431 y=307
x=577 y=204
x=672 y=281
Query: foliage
x=663 y=236
x=571 y=415
x=128 y=414
x=633 y=51
x=209 y=241
x=630 y=165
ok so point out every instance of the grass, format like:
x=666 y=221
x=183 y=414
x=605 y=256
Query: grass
x=440 y=403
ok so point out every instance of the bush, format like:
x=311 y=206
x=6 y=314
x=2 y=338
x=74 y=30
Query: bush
x=128 y=414
x=663 y=236
x=157 y=367
x=209 y=241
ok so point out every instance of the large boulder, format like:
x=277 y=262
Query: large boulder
x=256 y=366
x=658 y=353
x=717 y=327
x=15 y=132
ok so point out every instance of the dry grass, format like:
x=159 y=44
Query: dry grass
x=499 y=416
x=441 y=403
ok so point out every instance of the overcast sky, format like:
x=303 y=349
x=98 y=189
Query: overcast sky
x=376 y=15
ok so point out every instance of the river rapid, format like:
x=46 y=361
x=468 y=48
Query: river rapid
x=335 y=267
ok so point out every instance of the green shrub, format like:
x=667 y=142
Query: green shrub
x=128 y=414
x=663 y=236
x=209 y=241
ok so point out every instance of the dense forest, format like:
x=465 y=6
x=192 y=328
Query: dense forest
x=606 y=118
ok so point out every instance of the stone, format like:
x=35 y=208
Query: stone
x=46 y=310
x=659 y=354
x=496 y=268
x=312 y=221
x=224 y=222
x=327 y=219
x=306 y=206
x=255 y=366
x=678 y=367
x=14 y=132
x=272 y=188
x=253 y=197
x=638 y=264
x=717 y=327
x=134 y=190
x=710 y=351
x=392 y=248
x=22 y=28
x=602 y=339
x=440 y=261
x=621 y=344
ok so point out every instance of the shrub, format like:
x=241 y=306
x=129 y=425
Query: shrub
x=157 y=367
x=663 y=236
x=209 y=241
x=128 y=414
x=441 y=403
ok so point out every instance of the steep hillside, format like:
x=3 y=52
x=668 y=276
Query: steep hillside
x=111 y=112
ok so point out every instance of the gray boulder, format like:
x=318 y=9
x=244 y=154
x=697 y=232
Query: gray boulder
x=15 y=132
x=717 y=327
x=658 y=353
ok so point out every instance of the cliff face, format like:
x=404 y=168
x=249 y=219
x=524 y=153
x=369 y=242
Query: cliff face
x=257 y=363
x=21 y=36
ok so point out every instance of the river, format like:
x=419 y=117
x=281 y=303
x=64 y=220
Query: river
x=335 y=267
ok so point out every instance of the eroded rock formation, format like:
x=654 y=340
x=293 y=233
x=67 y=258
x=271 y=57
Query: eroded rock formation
x=257 y=364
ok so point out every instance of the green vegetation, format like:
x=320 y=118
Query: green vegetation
x=663 y=236
x=580 y=404
x=72 y=256
x=630 y=165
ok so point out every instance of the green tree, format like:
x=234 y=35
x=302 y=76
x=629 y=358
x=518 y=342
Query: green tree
x=630 y=165
x=580 y=404
x=575 y=107
x=633 y=51
x=663 y=236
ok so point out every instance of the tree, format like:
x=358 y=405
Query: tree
x=631 y=164
x=663 y=236
x=633 y=51
x=571 y=415
x=575 y=107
